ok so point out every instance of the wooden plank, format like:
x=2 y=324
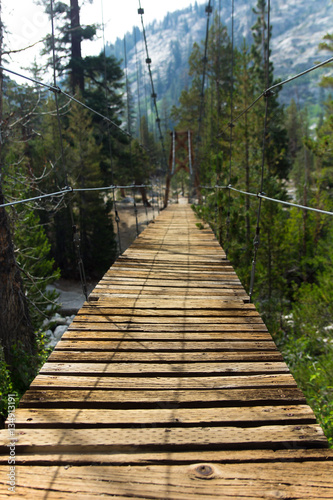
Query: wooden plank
x=234 y=308
x=196 y=276
x=163 y=346
x=48 y=398
x=163 y=357
x=309 y=480
x=97 y=440
x=161 y=327
x=168 y=363
x=222 y=284
x=169 y=283
x=248 y=416
x=126 y=264
x=213 y=306
x=151 y=457
x=43 y=381
x=182 y=314
x=237 y=323
x=169 y=369
x=109 y=294
x=192 y=337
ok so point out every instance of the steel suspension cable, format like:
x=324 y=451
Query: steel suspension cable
x=76 y=235
x=116 y=215
x=141 y=132
x=275 y=200
x=270 y=90
x=57 y=90
x=129 y=131
x=66 y=190
x=153 y=93
x=231 y=124
x=138 y=86
x=218 y=123
x=256 y=241
x=208 y=10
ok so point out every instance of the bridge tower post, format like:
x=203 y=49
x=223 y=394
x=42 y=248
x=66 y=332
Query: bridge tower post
x=181 y=141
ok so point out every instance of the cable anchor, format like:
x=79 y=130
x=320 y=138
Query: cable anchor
x=268 y=93
x=56 y=89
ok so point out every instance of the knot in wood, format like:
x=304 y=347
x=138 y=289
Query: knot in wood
x=204 y=471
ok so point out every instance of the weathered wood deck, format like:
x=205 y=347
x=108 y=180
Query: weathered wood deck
x=167 y=385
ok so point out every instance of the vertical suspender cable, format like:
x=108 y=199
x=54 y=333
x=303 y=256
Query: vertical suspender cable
x=173 y=152
x=138 y=87
x=218 y=121
x=153 y=93
x=141 y=132
x=256 y=241
x=189 y=151
x=208 y=10
x=117 y=218
x=129 y=131
x=76 y=235
x=230 y=125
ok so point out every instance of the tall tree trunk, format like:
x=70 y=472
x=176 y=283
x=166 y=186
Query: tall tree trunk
x=15 y=325
x=76 y=59
x=144 y=197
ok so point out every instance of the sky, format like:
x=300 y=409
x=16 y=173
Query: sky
x=27 y=24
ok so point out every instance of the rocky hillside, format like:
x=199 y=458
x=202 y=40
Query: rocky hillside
x=298 y=28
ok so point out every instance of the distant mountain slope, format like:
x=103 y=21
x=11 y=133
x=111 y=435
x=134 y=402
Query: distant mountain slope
x=298 y=28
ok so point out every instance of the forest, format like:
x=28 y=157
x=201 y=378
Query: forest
x=49 y=142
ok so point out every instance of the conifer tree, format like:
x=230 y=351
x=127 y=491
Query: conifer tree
x=92 y=208
x=15 y=324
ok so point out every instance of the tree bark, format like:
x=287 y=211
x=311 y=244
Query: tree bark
x=76 y=59
x=15 y=324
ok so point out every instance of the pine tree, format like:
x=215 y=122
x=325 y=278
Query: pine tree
x=68 y=41
x=91 y=208
x=15 y=324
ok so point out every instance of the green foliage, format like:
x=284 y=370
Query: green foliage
x=6 y=386
x=25 y=367
x=91 y=208
x=37 y=267
x=293 y=280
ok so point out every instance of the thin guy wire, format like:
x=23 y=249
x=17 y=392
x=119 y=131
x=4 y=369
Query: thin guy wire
x=138 y=85
x=202 y=94
x=153 y=95
x=277 y=85
x=106 y=188
x=129 y=130
x=270 y=89
x=218 y=121
x=264 y=197
x=76 y=236
x=69 y=189
x=256 y=241
x=27 y=200
x=116 y=215
x=58 y=90
x=231 y=125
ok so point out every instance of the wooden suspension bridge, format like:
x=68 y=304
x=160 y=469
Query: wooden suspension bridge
x=167 y=385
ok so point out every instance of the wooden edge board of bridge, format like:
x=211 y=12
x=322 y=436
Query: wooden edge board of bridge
x=167 y=385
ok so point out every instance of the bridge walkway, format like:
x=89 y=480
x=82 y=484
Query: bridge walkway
x=167 y=385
